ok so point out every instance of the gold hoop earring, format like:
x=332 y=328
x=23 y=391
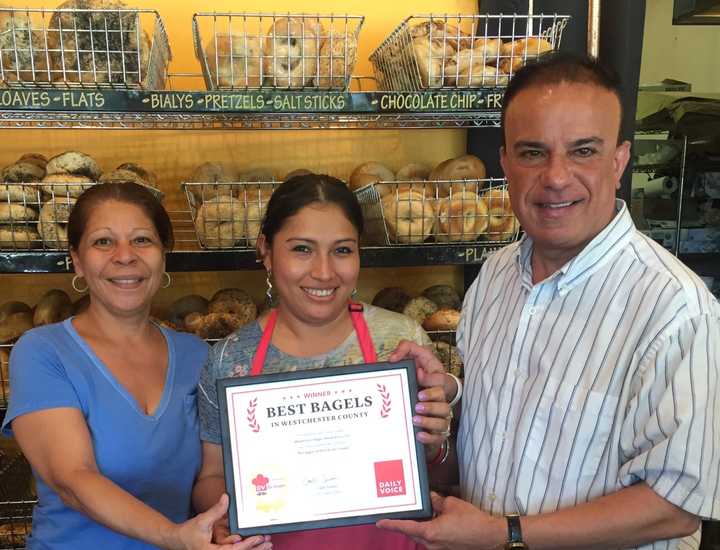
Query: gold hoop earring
x=169 y=280
x=74 y=284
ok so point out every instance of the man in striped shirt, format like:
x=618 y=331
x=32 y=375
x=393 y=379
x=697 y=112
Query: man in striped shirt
x=592 y=355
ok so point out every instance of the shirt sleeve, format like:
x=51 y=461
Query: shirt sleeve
x=671 y=434
x=38 y=380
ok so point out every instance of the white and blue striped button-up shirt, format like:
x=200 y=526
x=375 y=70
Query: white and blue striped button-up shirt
x=602 y=375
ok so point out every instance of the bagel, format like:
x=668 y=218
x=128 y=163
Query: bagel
x=393 y=298
x=23 y=50
x=414 y=172
x=34 y=158
x=369 y=172
x=75 y=163
x=12 y=212
x=515 y=54
x=212 y=325
x=465 y=167
x=181 y=307
x=97 y=47
x=439 y=29
x=15 y=325
x=442 y=319
x=54 y=306
x=65 y=185
x=444 y=296
x=22 y=172
x=432 y=55
x=235 y=301
x=18 y=238
x=54 y=217
x=419 y=309
x=129 y=176
x=468 y=70
x=13 y=306
x=224 y=222
x=209 y=174
x=461 y=217
x=234 y=60
x=25 y=194
x=291 y=53
x=337 y=60
x=147 y=176
x=409 y=216
x=502 y=224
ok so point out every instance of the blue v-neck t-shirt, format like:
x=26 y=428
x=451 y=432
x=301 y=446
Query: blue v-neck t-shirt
x=153 y=457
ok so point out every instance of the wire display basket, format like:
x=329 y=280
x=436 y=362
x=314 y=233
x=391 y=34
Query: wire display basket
x=35 y=215
x=228 y=215
x=241 y=51
x=83 y=48
x=428 y=212
x=462 y=51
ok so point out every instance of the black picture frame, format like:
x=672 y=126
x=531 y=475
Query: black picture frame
x=424 y=512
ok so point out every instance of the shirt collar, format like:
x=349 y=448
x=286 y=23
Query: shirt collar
x=604 y=246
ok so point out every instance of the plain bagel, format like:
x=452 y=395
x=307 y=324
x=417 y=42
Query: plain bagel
x=291 y=52
x=462 y=217
x=442 y=319
x=225 y=221
x=409 y=216
x=65 y=185
x=13 y=212
x=18 y=237
x=502 y=224
x=465 y=167
x=369 y=172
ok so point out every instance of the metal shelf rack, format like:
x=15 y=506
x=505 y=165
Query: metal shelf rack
x=250 y=110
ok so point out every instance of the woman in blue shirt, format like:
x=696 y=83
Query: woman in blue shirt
x=103 y=405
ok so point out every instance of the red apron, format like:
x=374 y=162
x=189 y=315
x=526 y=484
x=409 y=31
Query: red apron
x=356 y=537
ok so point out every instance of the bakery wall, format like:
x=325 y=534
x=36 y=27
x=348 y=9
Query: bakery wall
x=682 y=52
x=173 y=154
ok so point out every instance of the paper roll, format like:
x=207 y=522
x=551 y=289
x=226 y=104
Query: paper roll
x=659 y=187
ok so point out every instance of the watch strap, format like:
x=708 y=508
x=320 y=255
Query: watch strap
x=515 y=539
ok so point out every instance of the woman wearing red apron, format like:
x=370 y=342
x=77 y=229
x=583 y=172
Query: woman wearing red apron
x=309 y=244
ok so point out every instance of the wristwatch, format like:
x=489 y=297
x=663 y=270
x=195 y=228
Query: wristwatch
x=515 y=540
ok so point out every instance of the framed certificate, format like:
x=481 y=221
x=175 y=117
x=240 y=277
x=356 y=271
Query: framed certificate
x=322 y=448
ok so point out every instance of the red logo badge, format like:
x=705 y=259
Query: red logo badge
x=389 y=478
x=261 y=484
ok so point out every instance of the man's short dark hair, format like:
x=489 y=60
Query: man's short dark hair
x=554 y=68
